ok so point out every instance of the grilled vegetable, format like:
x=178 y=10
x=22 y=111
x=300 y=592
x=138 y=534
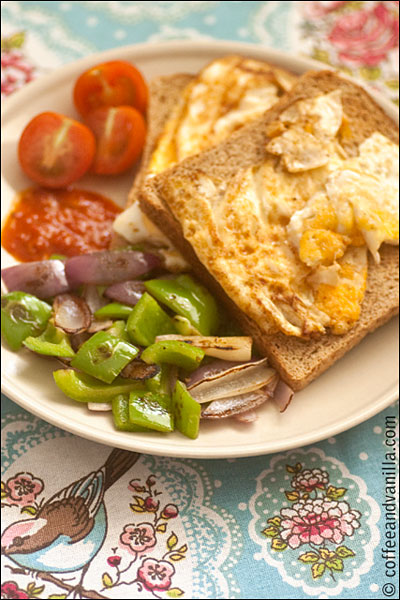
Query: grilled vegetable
x=188 y=299
x=84 y=388
x=22 y=315
x=104 y=356
x=173 y=353
x=147 y=320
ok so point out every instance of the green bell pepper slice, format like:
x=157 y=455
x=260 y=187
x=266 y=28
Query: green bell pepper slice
x=104 y=356
x=118 y=329
x=84 y=388
x=52 y=342
x=204 y=296
x=160 y=383
x=147 y=320
x=186 y=411
x=22 y=315
x=188 y=299
x=173 y=352
x=113 y=310
x=120 y=410
x=184 y=326
x=148 y=410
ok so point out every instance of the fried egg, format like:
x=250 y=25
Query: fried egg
x=290 y=245
x=135 y=227
x=341 y=300
x=227 y=93
x=359 y=205
x=310 y=127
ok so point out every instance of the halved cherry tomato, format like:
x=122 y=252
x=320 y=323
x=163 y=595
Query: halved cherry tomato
x=55 y=150
x=120 y=133
x=113 y=83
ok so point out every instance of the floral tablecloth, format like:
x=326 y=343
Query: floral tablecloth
x=314 y=522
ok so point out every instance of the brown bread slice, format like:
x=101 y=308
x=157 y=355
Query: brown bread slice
x=298 y=361
x=164 y=93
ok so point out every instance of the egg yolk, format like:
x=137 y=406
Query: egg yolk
x=321 y=247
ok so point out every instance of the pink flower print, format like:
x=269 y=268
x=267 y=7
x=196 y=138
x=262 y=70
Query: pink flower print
x=319 y=9
x=23 y=489
x=138 y=537
x=136 y=487
x=151 y=480
x=156 y=574
x=309 y=480
x=315 y=521
x=170 y=511
x=9 y=589
x=15 y=71
x=150 y=504
x=114 y=561
x=365 y=37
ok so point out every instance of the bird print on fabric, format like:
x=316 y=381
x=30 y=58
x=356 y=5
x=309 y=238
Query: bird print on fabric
x=70 y=528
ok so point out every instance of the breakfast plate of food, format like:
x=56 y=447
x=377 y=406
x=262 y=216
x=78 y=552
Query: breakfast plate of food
x=233 y=291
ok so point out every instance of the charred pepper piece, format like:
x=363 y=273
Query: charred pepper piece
x=22 y=315
x=173 y=352
x=120 y=410
x=52 y=342
x=104 y=356
x=189 y=299
x=113 y=310
x=84 y=388
x=186 y=411
x=147 y=320
x=148 y=409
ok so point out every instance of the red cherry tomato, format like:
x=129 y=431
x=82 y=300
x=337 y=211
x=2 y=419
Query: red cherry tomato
x=113 y=83
x=55 y=150
x=120 y=133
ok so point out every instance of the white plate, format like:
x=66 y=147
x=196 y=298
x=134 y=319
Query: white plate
x=357 y=387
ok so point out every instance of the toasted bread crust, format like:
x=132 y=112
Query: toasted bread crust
x=297 y=361
x=164 y=93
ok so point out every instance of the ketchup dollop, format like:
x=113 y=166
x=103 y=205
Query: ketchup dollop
x=43 y=222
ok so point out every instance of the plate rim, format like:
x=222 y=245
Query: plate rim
x=147 y=50
x=178 y=46
x=183 y=451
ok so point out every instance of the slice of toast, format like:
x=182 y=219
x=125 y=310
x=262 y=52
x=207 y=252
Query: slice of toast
x=297 y=360
x=164 y=94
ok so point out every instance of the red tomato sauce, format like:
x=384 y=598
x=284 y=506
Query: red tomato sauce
x=43 y=222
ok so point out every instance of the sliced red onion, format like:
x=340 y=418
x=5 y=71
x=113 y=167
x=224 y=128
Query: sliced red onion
x=94 y=300
x=127 y=292
x=283 y=396
x=227 y=348
x=96 y=326
x=247 y=417
x=109 y=267
x=227 y=407
x=99 y=406
x=139 y=370
x=71 y=313
x=77 y=339
x=238 y=380
x=206 y=372
x=43 y=278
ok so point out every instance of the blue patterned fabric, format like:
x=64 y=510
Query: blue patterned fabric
x=313 y=522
